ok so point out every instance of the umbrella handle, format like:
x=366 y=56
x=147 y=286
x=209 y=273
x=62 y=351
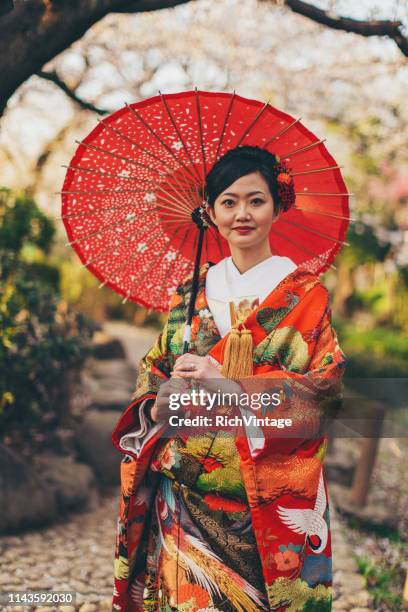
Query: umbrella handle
x=194 y=289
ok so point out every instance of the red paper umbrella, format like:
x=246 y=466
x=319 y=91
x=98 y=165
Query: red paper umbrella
x=134 y=187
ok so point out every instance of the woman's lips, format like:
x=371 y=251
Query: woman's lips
x=243 y=230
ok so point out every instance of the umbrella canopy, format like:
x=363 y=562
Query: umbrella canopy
x=132 y=187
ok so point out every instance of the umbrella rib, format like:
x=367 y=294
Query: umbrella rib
x=173 y=219
x=107 y=251
x=120 y=242
x=302 y=248
x=316 y=193
x=133 y=143
x=179 y=205
x=150 y=183
x=326 y=214
x=98 y=191
x=146 y=272
x=225 y=124
x=283 y=131
x=179 y=191
x=200 y=195
x=174 y=211
x=316 y=170
x=164 y=101
x=252 y=123
x=127 y=260
x=96 y=171
x=120 y=157
x=160 y=285
x=102 y=230
x=147 y=126
x=314 y=231
x=200 y=130
x=88 y=213
x=302 y=149
x=116 y=190
x=172 y=205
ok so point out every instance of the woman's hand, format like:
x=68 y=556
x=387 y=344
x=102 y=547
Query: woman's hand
x=194 y=366
x=160 y=410
x=189 y=366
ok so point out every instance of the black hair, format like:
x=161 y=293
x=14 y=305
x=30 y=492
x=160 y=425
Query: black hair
x=240 y=161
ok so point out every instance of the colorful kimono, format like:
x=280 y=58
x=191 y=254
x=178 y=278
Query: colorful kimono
x=246 y=526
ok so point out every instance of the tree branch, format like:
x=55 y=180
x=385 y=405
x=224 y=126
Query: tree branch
x=146 y=5
x=391 y=29
x=54 y=78
x=37 y=30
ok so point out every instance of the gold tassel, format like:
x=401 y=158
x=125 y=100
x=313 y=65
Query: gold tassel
x=231 y=354
x=238 y=354
x=245 y=353
x=238 y=350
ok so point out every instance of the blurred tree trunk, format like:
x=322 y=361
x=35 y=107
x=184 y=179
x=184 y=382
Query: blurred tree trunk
x=344 y=289
x=37 y=30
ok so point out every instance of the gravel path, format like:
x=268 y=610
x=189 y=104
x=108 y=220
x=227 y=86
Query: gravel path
x=77 y=554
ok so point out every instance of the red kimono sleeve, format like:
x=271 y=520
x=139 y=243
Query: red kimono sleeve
x=308 y=399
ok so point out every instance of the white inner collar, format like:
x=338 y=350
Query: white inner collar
x=258 y=280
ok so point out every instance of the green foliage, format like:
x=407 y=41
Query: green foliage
x=380 y=582
x=381 y=531
x=41 y=338
x=380 y=342
x=364 y=135
x=22 y=222
x=80 y=287
x=373 y=299
x=365 y=246
x=317 y=605
x=377 y=353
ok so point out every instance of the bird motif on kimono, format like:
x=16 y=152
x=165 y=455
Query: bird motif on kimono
x=309 y=522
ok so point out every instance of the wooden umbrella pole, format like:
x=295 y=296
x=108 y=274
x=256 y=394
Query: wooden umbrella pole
x=194 y=288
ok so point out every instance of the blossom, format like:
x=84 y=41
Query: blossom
x=286 y=560
x=149 y=197
x=171 y=255
x=177 y=145
x=170 y=458
x=284 y=177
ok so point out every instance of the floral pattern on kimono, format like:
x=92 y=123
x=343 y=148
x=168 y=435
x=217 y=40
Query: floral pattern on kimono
x=276 y=494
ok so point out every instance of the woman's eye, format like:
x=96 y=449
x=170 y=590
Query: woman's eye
x=228 y=202
x=257 y=201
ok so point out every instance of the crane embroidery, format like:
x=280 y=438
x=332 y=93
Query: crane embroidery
x=309 y=522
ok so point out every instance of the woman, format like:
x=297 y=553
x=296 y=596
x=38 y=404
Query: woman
x=223 y=521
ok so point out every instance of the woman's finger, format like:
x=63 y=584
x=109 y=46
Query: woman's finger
x=183 y=374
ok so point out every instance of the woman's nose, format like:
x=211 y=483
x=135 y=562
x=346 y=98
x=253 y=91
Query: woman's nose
x=242 y=211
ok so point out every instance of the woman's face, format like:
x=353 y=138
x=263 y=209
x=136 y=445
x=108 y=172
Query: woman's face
x=244 y=212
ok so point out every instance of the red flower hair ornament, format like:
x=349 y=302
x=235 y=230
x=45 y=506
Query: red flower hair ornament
x=286 y=187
